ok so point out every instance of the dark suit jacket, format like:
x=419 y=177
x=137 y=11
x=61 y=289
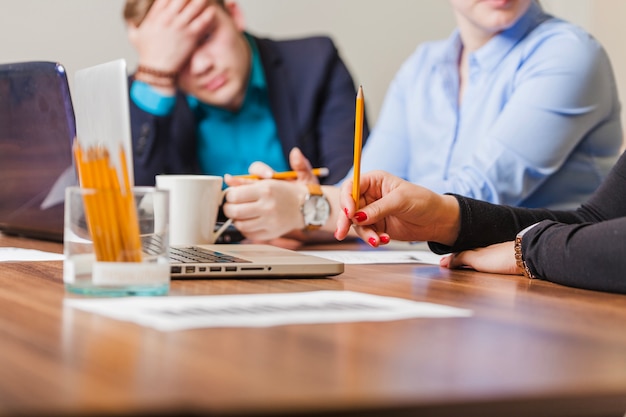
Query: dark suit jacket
x=312 y=97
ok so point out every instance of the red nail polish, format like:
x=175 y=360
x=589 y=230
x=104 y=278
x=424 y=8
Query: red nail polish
x=384 y=239
x=360 y=216
x=372 y=241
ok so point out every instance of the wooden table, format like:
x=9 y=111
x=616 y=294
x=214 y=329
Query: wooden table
x=530 y=349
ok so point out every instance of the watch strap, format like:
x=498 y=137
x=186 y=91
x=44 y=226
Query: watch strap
x=315 y=189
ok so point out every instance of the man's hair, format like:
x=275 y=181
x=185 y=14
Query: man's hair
x=135 y=10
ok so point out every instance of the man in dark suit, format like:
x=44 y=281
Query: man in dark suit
x=208 y=97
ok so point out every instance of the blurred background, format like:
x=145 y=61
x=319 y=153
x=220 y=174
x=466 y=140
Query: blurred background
x=373 y=37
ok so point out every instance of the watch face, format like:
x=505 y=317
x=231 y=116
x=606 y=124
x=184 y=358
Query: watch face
x=316 y=210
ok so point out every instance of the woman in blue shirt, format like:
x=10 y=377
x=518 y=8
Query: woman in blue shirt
x=515 y=107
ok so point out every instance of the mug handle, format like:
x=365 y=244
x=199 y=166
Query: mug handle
x=219 y=231
x=224 y=226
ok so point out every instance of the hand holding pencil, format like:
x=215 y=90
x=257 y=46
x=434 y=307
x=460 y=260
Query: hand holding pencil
x=285 y=175
x=358 y=145
x=301 y=170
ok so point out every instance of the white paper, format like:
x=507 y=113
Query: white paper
x=261 y=310
x=102 y=112
x=378 y=256
x=18 y=254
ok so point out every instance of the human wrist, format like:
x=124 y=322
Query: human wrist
x=315 y=208
x=157 y=77
x=448 y=221
x=520 y=261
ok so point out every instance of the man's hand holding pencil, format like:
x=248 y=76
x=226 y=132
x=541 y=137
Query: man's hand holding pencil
x=300 y=165
x=263 y=210
x=272 y=209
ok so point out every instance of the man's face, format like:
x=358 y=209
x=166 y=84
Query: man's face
x=217 y=72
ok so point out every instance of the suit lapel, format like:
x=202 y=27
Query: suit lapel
x=280 y=97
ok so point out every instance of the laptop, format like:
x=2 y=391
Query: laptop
x=36 y=133
x=246 y=260
x=108 y=82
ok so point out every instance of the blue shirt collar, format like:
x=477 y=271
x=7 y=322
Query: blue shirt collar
x=490 y=54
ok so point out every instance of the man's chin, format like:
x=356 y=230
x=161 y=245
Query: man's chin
x=221 y=99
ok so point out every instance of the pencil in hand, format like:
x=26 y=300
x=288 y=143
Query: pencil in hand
x=358 y=145
x=286 y=175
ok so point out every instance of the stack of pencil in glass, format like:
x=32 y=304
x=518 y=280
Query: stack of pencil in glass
x=110 y=209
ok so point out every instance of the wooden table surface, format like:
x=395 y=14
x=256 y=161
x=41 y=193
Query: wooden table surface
x=530 y=349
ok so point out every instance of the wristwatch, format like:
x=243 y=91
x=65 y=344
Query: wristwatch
x=519 y=258
x=315 y=209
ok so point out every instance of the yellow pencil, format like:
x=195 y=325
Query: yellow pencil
x=110 y=211
x=288 y=175
x=358 y=144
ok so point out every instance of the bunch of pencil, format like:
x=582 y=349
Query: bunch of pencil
x=110 y=210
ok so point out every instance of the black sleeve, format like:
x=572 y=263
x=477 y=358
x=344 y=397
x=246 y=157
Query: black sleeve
x=586 y=255
x=585 y=248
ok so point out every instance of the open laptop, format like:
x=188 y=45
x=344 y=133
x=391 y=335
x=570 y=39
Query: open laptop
x=108 y=82
x=36 y=133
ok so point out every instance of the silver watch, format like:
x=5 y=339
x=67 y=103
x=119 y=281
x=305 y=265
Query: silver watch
x=315 y=209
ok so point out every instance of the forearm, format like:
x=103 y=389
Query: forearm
x=483 y=224
x=588 y=255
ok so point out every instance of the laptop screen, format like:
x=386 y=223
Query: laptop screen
x=36 y=132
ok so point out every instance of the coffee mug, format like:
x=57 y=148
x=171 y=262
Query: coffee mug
x=194 y=205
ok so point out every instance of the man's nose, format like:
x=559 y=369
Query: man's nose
x=200 y=62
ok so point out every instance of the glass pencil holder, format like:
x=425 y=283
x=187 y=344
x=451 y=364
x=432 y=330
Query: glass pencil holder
x=116 y=244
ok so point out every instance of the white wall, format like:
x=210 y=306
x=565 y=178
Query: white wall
x=373 y=37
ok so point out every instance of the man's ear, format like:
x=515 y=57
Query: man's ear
x=236 y=14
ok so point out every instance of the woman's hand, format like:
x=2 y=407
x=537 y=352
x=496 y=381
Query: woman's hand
x=391 y=208
x=497 y=259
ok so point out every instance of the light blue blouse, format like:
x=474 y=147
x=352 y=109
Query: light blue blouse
x=539 y=124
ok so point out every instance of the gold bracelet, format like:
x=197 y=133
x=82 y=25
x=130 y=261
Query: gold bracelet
x=519 y=258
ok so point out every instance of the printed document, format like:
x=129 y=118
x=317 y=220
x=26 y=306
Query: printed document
x=261 y=310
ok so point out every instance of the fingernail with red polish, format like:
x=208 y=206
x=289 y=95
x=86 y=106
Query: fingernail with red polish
x=360 y=216
x=372 y=242
x=384 y=239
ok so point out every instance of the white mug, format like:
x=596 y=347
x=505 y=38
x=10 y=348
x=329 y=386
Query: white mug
x=194 y=204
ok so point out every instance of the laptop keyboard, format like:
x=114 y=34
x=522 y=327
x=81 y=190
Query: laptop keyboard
x=195 y=255
x=189 y=254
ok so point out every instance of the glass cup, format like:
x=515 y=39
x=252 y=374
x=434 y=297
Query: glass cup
x=114 y=245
